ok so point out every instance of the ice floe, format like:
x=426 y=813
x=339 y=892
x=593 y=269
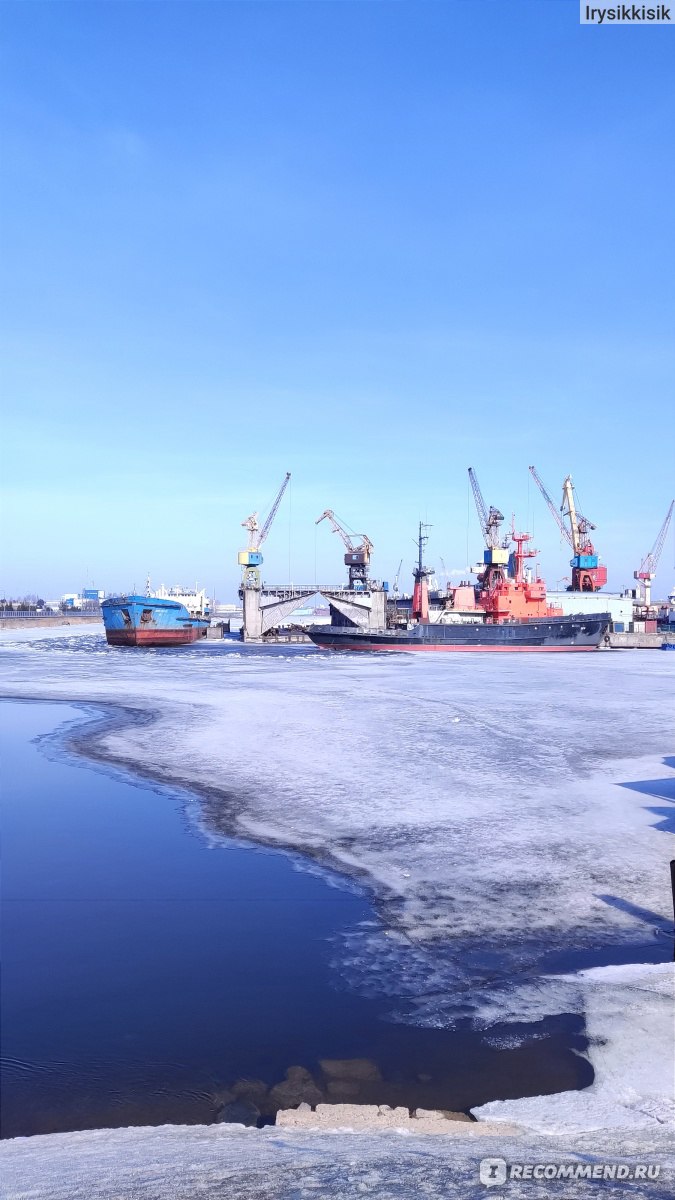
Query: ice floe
x=504 y=811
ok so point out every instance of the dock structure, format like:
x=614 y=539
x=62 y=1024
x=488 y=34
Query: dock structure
x=268 y=606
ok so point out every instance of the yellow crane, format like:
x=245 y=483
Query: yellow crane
x=251 y=558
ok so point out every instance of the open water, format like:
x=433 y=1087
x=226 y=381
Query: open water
x=149 y=965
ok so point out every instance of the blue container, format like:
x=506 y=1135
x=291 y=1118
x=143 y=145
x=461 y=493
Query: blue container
x=619 y=627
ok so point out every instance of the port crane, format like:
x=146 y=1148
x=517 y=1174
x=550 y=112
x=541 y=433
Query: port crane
x=496 y=556
x=587 y=574
x=490 y=519
x=358 y=552
x=650 y=562
x=251 y=558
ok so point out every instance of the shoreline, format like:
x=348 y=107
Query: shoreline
x=378 y=1093
x=118 y=715
x=55 y=622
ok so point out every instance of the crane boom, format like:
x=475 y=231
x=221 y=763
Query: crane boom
x=365 y=542
x=258 y=534
x=651 y=561
x=273 y=511
x=551 y=506
x=489 y=520
x=357 y=558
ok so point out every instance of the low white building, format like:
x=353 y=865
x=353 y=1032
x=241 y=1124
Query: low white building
x=620 y=607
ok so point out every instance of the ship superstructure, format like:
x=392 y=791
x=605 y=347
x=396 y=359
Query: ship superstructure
x=195 y=599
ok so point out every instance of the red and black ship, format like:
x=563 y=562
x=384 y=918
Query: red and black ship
x=506 y=610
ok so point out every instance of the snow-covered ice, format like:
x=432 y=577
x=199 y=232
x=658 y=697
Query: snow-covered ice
x=224 y=1162
x=629 y=1015
x=504 y=810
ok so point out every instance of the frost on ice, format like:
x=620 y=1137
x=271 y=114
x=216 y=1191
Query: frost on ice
x=504 y=811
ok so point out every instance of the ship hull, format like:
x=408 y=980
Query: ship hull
x=150 y=637
x=550 y=635
x=150 y=621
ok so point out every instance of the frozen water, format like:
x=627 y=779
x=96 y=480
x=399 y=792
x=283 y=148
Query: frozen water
x=623 y=1119
x=486 y=800
x=629 y=1023
x=232 y=1163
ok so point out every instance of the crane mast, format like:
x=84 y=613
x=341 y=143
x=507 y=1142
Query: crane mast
x=650 y=562
x=579 y=526
x=357 y=556
x=251 y=558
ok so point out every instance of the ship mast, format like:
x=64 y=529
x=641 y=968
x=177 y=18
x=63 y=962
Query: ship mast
x=420 y=604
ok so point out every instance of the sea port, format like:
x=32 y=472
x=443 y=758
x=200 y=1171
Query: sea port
x=338 y=774
x=505 y=590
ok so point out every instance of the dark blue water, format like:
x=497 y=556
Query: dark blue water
x=146 y=969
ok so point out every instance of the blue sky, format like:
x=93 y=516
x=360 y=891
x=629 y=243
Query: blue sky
x=369 y=243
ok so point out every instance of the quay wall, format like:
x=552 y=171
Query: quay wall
x=46 y=622
x=635 y=641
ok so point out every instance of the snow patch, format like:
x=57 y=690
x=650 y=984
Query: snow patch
x=630 y=1025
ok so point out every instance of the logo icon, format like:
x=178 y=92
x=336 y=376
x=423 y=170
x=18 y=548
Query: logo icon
x=492 y=1171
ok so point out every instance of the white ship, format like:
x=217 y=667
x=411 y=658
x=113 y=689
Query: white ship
x=195 y=600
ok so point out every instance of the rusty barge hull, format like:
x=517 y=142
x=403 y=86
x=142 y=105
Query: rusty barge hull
x=150 y=637
x=150 y=621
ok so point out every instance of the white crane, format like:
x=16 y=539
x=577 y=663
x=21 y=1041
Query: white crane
x=650 y=562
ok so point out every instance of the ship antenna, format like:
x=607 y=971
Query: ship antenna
x=147 y=585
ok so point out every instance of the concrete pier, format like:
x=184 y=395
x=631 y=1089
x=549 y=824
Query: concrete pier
x=636 y=641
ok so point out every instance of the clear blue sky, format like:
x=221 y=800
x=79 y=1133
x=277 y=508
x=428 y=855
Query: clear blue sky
x=370 y=243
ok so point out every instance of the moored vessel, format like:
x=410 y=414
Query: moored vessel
x=136 y=620
x=583 y=632
x=506 y=610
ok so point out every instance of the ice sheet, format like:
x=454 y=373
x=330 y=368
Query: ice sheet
x=231 y=1163
x=629 y=1022
x=503 y=809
